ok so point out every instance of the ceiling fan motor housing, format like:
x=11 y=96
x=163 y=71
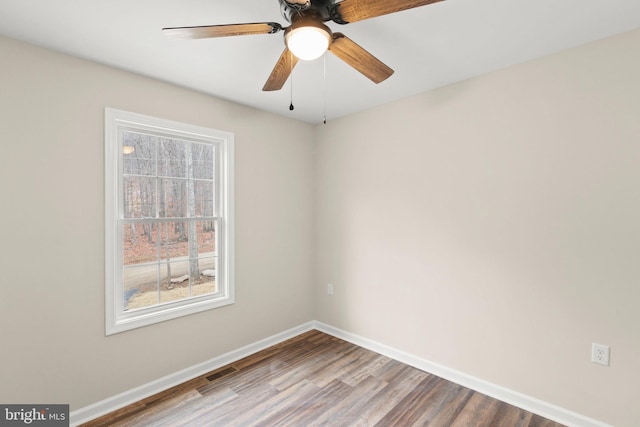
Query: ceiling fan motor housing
x=289 y=8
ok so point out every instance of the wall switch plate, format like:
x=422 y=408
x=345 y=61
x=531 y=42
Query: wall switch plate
x=329 y=289
x=600 y=354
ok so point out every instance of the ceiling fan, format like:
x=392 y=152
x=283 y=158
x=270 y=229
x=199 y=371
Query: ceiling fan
x=307 y=37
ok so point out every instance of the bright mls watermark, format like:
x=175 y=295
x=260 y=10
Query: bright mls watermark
x=34 y=415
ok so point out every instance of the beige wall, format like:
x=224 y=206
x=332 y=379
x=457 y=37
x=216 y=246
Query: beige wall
x=493 y=226
x=53 y=347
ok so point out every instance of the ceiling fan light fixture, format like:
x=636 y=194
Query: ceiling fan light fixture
x=309 y=41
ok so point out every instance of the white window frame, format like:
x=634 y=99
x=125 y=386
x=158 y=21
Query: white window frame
x=117 y=318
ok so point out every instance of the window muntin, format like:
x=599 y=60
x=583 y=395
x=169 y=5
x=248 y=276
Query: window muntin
x=169 y=219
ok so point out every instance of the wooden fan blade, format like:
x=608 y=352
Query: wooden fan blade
x=222 y=30
x=356 y=56
x=281 y=71
x=357 y=10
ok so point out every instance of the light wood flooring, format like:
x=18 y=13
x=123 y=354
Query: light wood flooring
x=316 y=379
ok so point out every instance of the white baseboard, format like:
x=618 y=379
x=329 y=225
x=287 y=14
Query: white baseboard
x=514 y=398
x=121 y=400
x=520 y=400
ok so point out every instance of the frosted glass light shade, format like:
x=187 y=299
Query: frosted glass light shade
x=308 y=42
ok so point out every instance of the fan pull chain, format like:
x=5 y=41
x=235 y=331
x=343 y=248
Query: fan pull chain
x=291 y=83
x=324 y=107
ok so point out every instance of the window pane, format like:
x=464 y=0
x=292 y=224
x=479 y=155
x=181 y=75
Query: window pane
x=207 y=282
x=139 y=197
x=139 y=243
x=174 y=281
x=172 y=160
x=140 y=286
x=203 y=194
x=203 y=165
x=173 y=198
x=139 y=154
x=206 y=238
x=174 y=240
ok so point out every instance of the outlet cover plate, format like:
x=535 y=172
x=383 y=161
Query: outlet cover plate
x=600 y=354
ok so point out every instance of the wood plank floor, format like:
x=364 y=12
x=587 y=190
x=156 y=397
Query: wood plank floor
x=319 y=380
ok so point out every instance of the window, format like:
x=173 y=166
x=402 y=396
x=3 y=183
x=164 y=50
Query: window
x=168 y=219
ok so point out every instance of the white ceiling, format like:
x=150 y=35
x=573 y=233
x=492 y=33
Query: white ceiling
x=428 y=47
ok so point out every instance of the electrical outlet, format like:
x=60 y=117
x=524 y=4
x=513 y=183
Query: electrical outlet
x=600 y=354
x=329 y=289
